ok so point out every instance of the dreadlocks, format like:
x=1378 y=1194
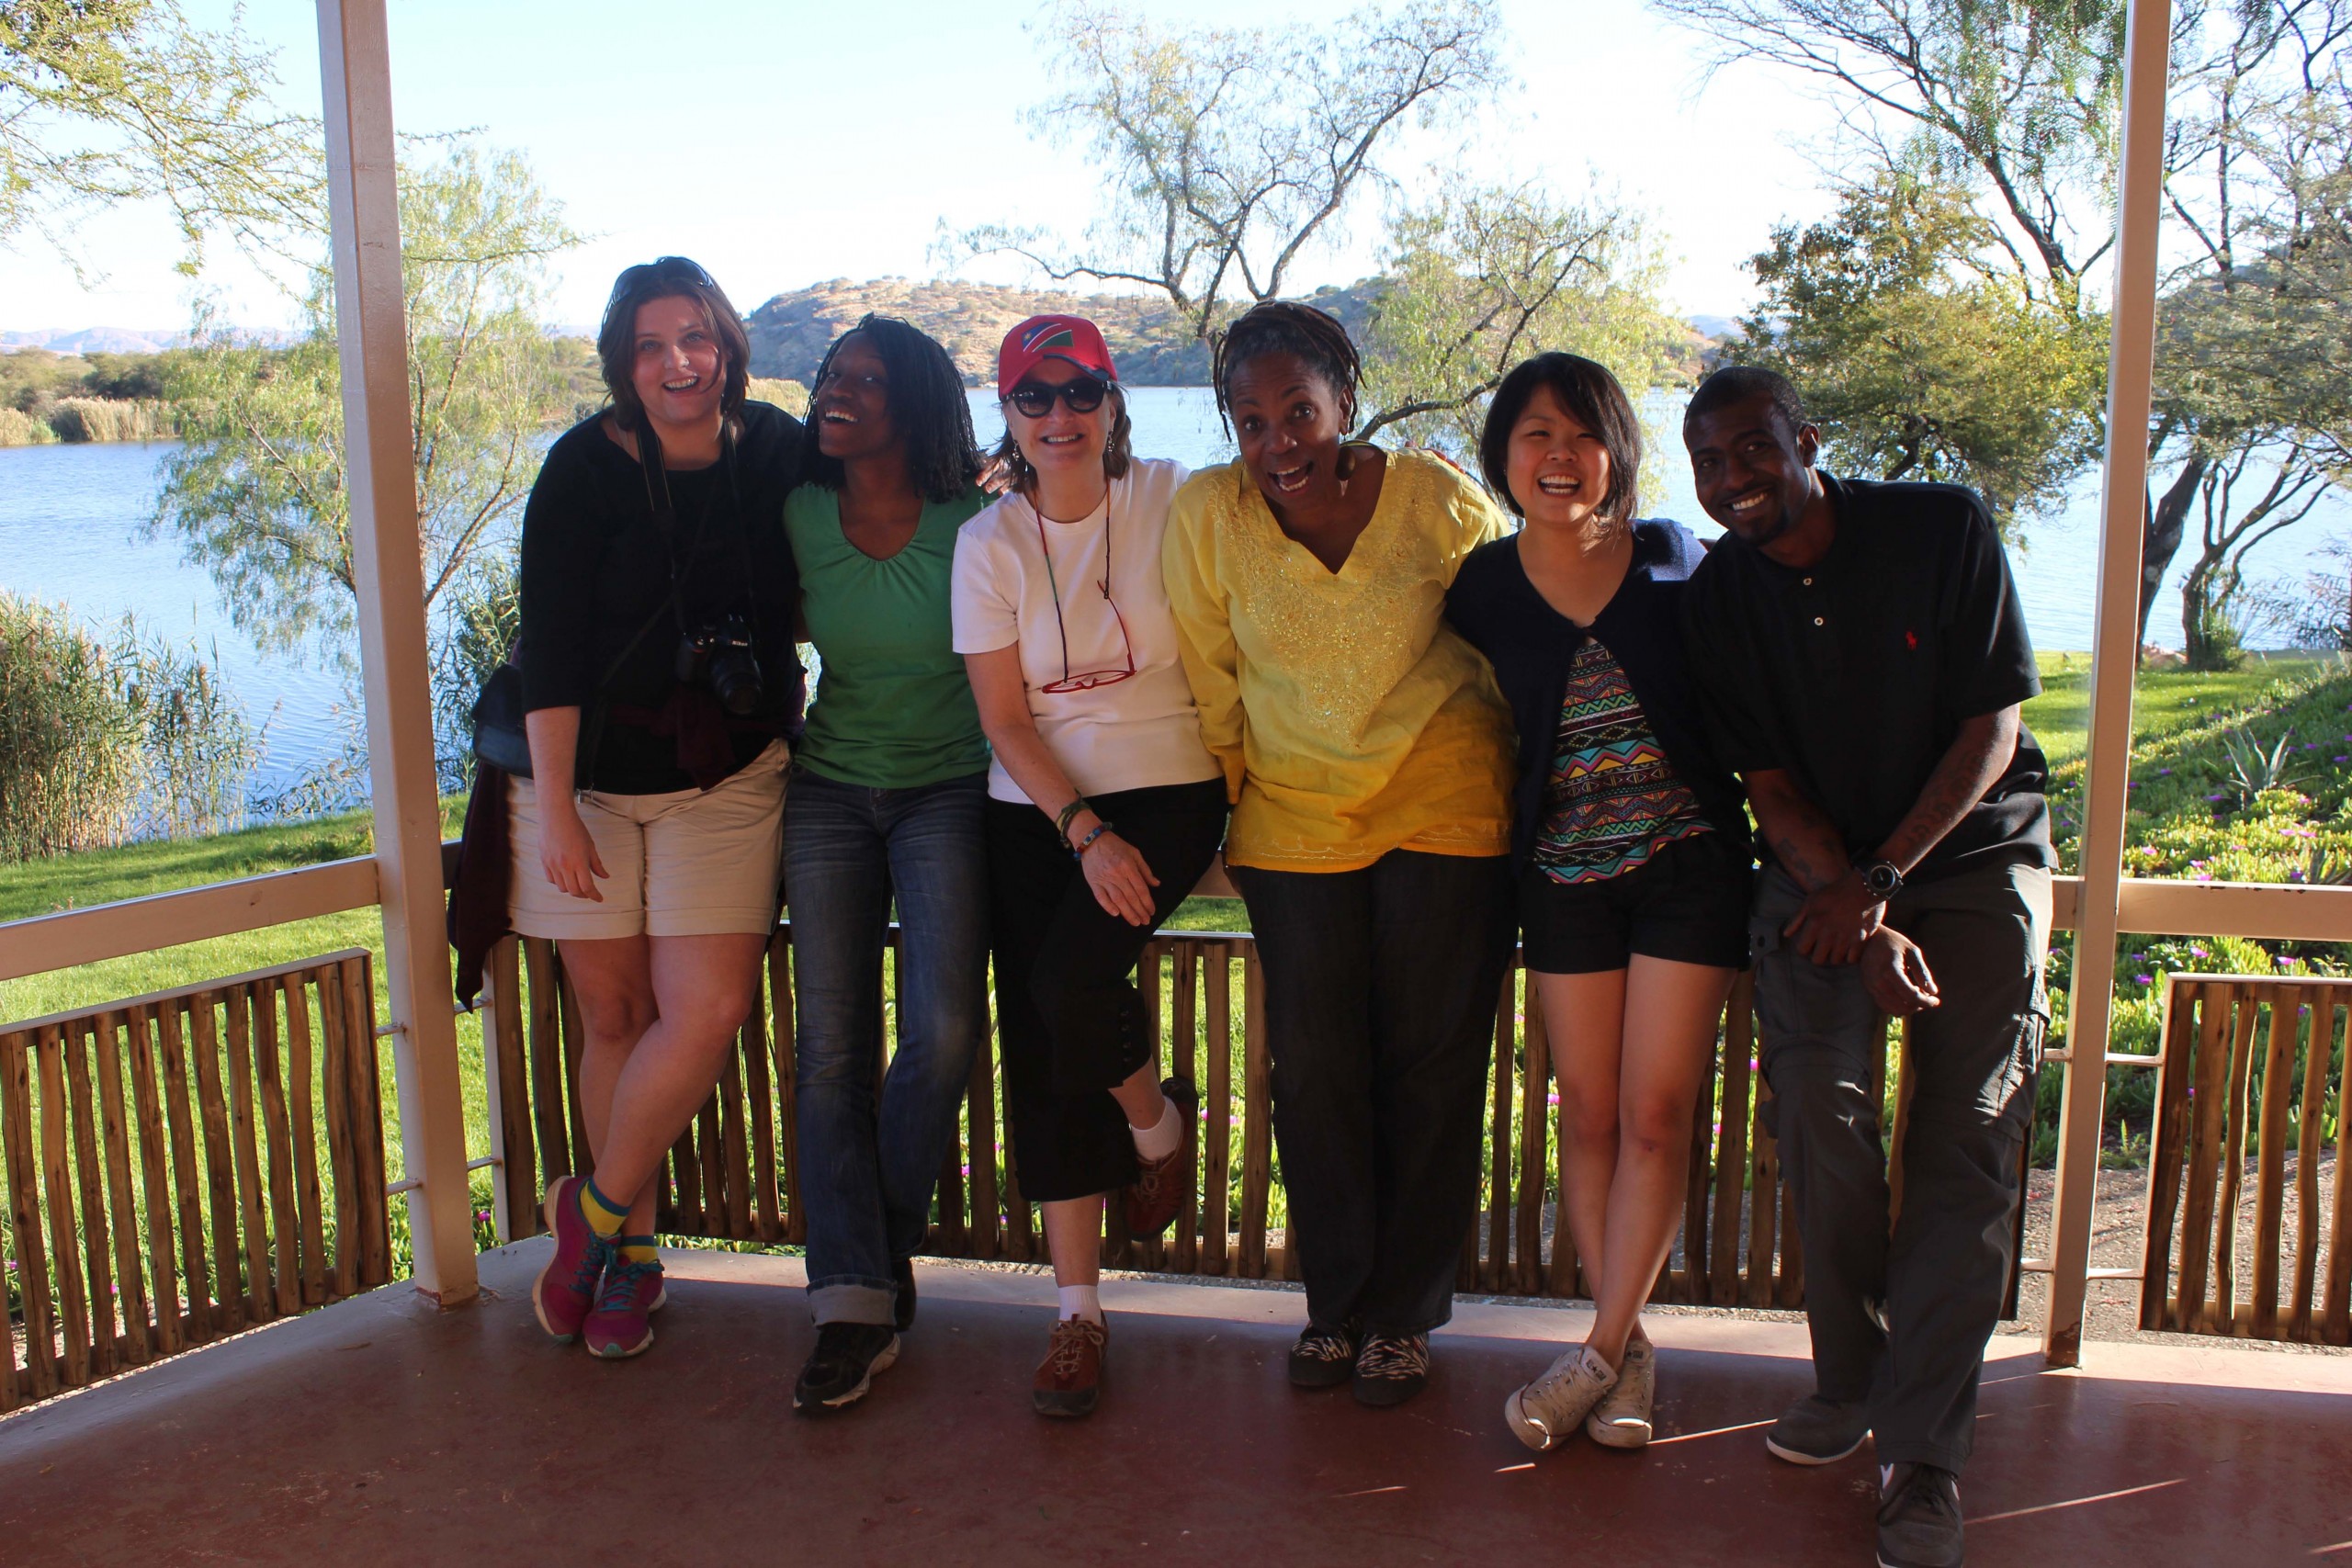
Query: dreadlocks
x=1279 y=326
x=927 y=407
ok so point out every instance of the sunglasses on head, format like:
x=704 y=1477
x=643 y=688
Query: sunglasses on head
x=1034 y=399
x=663 y=269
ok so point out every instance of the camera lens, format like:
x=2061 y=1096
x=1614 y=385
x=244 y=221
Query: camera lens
x=735 y=680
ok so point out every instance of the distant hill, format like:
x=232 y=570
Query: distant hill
x=92 y=340
x=1150 y=344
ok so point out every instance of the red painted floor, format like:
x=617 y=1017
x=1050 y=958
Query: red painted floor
x=382 y=1431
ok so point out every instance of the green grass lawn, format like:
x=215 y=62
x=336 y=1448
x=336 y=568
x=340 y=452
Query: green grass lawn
x=2167 y=702
x=2163 y=701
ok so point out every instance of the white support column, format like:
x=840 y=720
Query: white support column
x=2114 y=663
x=354 y=64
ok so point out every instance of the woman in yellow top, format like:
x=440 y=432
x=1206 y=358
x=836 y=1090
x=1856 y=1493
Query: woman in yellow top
x=1368 y=755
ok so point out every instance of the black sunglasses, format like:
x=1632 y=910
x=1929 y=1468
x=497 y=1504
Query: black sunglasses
x=1035 y=399
x=662 y=270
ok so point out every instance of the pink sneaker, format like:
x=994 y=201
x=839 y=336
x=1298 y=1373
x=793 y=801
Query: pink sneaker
x=565 y=1291
x=619 y=1327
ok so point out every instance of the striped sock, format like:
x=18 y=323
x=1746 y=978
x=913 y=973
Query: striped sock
x=637 y=1248
x=603 y=1216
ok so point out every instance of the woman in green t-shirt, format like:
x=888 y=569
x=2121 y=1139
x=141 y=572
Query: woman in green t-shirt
x=885 y=800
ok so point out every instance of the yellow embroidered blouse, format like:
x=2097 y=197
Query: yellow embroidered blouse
x=1349 y=719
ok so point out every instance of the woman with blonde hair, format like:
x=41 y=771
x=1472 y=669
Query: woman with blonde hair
x=1103 y=810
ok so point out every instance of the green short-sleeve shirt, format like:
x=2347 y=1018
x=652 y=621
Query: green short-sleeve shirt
x=893 y=709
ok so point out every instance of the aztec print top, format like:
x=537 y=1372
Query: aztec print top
x=1613 y=800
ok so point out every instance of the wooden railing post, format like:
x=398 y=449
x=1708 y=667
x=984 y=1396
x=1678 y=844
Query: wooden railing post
x=379 y=452
x=2114 y=663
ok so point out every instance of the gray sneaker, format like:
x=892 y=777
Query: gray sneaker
x=1622 y=1419
x=1548 y=1411
x=1819 y=1431
x=1918 y=1516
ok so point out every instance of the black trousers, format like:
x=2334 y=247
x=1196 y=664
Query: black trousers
x=1070 y=1020
x=1902 y=1320
x=1380 y=987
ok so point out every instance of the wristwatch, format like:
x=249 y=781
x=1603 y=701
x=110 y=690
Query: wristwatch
x=1883 y=877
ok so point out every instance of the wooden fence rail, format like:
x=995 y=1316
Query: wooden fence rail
x=106 y=1271
x=2252 y=1068
x=733 y=1174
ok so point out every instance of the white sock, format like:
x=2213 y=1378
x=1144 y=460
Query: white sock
x=1081 y=1300
x=1163 y=1138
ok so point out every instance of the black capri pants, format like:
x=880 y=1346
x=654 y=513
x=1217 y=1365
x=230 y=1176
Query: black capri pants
x=1069 y=1020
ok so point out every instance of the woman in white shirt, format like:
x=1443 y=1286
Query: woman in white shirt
x=1104 y=808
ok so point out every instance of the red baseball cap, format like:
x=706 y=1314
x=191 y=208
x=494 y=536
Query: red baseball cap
x=1072 y=339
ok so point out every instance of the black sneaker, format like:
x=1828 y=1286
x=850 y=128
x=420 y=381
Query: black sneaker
x=902 y=1307
x=1819 y=1431
x=842 y=1368
x=1392 y=1367
x=1919 y=1518
x=1325 y=1356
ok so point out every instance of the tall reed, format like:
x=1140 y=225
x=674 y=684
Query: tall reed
x=18 y=428
x=104 y=741
x=111 y=419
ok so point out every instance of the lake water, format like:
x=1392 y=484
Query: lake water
x=72 y=532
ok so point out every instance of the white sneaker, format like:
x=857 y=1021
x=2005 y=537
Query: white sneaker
x=1622 y=1419
x=1549 y=1410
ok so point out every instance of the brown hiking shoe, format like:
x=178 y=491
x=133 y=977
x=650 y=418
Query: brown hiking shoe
x=1069 y=1379
x=1162 y=1185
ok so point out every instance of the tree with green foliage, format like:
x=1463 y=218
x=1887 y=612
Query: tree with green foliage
x=1477 y=281
x=1227 y=155
x=1923 y=358
x=110 y=101
x=258 y=494
x=2016 y=104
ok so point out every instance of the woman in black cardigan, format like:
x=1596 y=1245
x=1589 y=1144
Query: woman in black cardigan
x=1630 y=846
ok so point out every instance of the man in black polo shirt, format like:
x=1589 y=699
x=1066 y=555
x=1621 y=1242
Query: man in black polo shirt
x=1860 y=657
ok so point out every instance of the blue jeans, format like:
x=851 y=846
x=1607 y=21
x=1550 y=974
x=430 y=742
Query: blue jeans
x=868 y=1169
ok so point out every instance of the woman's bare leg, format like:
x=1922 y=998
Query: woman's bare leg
x=1584 y=1015
x=702 y=988
x=612 y=979
x=1671 y=1011
x=1074 y=1240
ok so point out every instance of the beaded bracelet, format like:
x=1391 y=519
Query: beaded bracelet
x=1061 y=823
x=1080 y=848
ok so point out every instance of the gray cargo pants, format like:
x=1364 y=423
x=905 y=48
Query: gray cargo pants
x=1902 y=1320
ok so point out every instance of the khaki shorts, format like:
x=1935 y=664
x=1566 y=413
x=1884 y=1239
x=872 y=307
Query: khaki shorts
x=691 y=862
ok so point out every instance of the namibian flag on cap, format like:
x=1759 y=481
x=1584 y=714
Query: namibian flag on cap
x=1073 y=339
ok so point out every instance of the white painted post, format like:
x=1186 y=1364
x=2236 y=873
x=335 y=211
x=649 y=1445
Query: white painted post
x=2114 y=664
x=355 y=66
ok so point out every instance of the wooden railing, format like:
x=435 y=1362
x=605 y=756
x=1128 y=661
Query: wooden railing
x=732 y=1175
x=258 y=1070
x=2250 y=1068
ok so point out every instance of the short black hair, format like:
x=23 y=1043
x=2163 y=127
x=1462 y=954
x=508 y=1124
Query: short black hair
x=1283 y=326
x=1593 y=398
x=926 y=402
x=1736 y=384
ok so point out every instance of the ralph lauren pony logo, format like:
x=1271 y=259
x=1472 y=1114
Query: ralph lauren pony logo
x=1911 y=640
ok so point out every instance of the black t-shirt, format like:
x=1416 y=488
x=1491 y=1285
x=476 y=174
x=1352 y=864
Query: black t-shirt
x=1853 y=674
x=597 y=568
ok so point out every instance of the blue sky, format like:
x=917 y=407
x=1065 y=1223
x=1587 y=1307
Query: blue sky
x=786 y=142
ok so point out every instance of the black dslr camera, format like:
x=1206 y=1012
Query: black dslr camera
x=718 y=653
